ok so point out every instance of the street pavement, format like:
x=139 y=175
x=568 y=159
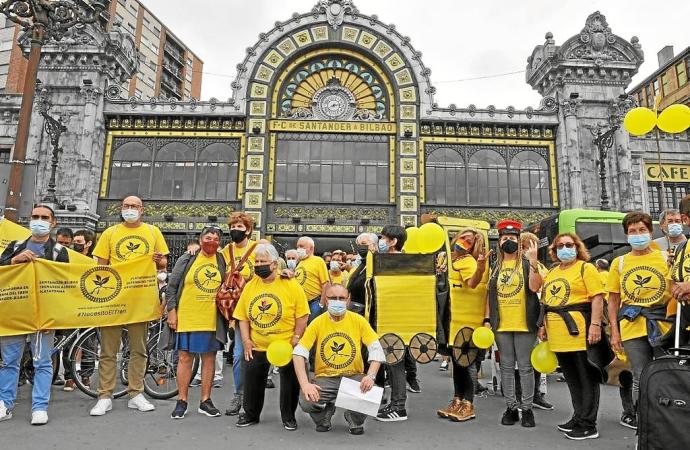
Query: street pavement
x=71 y=427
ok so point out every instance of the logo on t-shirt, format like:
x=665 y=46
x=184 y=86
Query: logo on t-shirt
x=131 y=247
x=265 y=310
x=643 y=284
x=301 y=275
x=100 y=284
x=556 y=292
x=510 y=282
x=207 y=278
x=337 y=350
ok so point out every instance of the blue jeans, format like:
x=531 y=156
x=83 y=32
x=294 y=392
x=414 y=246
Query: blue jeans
x=12 y=348
x=315 y=309
x=237 y=357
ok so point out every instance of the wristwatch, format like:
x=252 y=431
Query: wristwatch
x=373 y=377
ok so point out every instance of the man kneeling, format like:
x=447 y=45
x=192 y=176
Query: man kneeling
x=339 y=336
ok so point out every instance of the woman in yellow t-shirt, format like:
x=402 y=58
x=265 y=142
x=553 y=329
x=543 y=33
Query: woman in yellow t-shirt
x=572 y=294
x=467 y=276
x=639 y=290
x=192 y=312
x=514 y=312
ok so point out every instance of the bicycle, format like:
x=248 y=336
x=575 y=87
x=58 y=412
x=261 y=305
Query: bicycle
x=26 y=367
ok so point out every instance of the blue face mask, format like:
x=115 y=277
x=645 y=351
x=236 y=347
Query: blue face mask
x=334 y=266
x=383 y=246
x=675 y=229
x=291 y=264
x=639 y=241
x=337 y=307
x=566 y=254
x=39 y=228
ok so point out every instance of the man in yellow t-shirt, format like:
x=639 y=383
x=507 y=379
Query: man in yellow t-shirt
x=311 y=274
x=338 y=338
x=271 y=308
x=119 y=243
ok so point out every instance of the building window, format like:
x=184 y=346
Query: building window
x=176 y=170
x=446 y=179
x=673 y=193
x=4 y=155
x=334 y=169
x=529 y=180
x=650 y=97
x=657 y=90
x=666 y=89
x=681 y=73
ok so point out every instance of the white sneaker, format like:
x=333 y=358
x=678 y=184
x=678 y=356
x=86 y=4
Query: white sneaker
x=102 y=406
x=5 y=414
x=139 y=402
x=39 y=417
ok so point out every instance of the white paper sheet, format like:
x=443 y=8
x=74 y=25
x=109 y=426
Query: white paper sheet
x=351 y=397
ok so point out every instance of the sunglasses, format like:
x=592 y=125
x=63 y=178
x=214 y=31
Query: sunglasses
x=566 y=245
x=213 y=228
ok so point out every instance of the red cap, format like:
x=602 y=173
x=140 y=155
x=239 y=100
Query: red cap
x=508 y=226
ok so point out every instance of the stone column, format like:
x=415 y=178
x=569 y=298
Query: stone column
x=572 y=150
x=85 y=156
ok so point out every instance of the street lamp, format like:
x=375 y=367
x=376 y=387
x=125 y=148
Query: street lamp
x=54 y=128
x=43 y=20
x=604 y=141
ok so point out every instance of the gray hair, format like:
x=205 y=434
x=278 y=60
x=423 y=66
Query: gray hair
x=371 y=237
x=267 y=250
x=308 y=240
x=668 y=212
x=291 y=251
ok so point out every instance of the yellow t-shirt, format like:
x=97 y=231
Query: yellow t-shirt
x=338 y=344
x=604 y=277
x=511 y=298
x=271 y=309
x=311 y=274
x=680 y=271
x=248 y=268
x=467 y=306
x=644 y=281
x=119 y=243
x=196 y=309
x=341 y=278
x=567 y=287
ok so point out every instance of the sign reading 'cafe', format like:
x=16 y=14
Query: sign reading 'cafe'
x=671 y=172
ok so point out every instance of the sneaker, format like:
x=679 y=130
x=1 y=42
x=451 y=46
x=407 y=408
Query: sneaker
x=580 y=434
x=629 y=420
x=69 y=386
x=452 y=406
x=196 y=382
x=180 y=410
x=5 y=414
x=235 y=405
x=540 y=402
x=444 y=366
x=59 y=382
x=464 y=413
x=207 y=408
x=101 y=407
x=568 y=426
x=391 y=414
x=245 y=421
x=510 y=417
x=413 y=386
x=86 y=381
x=353 y=428
x=217 y=384
x=527 y=418
x=139 y=402
x=480 y=389
x=270 y=384
x=39 y=417
x=325 y=424
x=290 y=424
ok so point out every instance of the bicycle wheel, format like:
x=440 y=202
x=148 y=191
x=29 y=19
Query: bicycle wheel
x=84 y=355
x=160 y=381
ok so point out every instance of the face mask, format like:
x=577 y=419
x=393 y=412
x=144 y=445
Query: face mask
x=383 y=246
x=566 y=254
x=263 y=271
x=356 y=263
x=675 y=229
x=639 y=241
x=337 y=308
x=362 y=250
x=292 y=264
x=39 y=227
x=237 y=236
x=79 y=248
x=301 y=253
x=509 y=247
x=334 y=266
x=162 y=276
x=210 y=248
x=130 y=215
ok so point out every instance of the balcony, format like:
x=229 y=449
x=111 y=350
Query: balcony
x=175 y=53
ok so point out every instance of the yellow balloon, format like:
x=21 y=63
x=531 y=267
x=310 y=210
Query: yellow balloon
x=543 y=359
x=674 y=119
x=432 y=237
x=483 y=337
x=639 y=121
x=412 y=240
x=279 y=353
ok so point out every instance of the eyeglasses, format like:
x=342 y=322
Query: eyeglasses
x=566 y=245
x=213 y=228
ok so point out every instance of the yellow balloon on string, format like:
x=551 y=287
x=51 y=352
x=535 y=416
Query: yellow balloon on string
x=412 y=240
x=279 y=353
x=431 y=237
x=543 y=359
x=483 y=337
x=674 y=119
x=639 y=121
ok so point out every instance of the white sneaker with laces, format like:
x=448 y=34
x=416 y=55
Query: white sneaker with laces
x=139 y=402
x=39 y=417
x=102 y=406
x=5 y=414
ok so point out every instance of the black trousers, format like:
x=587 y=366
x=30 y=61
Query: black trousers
x=583 y=383
x=410 y=366
x=255 y=377
x=462 y=382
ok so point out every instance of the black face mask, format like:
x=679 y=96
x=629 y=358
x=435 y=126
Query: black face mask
x=237 y=236
x=263 y=271
x=79 y=248
x=362 y=250
x=509 y=247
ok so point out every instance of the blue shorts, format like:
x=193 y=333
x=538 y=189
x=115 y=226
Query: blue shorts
x=197 y=342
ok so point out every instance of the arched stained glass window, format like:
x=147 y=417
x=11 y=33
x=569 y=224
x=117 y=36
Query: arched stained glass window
x=529 y=180
x=130 y=173
x=217 y=173
x=446 y=177
x=173 y=172
x=487 y=173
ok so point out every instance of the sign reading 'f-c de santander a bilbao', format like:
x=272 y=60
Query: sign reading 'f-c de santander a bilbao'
x=47 y=295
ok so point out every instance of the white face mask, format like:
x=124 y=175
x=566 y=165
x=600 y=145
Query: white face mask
x=162 y=276
x=301 y=253
x=334 y=266
x=39 y=228
x=291 y=263
x=130 y=215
